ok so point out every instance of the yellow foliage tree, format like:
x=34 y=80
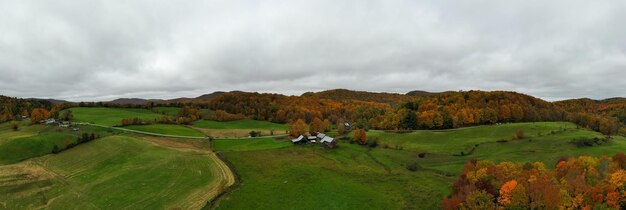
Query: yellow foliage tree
x=297 y=128
x=360 y=136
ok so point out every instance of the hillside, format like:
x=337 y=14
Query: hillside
x=346 y=95
x=116 y=172
x=394 y=111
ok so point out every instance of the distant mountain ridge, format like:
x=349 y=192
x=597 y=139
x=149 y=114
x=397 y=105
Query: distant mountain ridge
x=333 y=94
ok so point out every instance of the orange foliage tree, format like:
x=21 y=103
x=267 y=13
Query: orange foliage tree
x=360 y=136
x=39 y=114
x=576 y=183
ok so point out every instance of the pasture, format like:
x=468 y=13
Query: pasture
x=239 y=128
x=357 y=177
x=111 y=116
x=171 y=111
x=115 y=172
x=240 y=124
x=31 y=141
x=177 y=130
x=248 y=144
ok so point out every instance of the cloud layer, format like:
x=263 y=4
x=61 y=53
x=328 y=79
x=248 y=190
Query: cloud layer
x=100 y=50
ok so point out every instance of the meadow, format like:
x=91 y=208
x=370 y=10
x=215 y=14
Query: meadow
x=171 y=111
x=177 y=130
x=110 y=116
x=239 y=128
x=249 y=144
x=240 y=124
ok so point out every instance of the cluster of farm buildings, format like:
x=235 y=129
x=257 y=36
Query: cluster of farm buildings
x=62 y=124
x=320 y=138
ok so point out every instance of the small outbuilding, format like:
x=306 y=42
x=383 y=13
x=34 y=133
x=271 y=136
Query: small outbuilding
x=299 y=140
x=328 y=141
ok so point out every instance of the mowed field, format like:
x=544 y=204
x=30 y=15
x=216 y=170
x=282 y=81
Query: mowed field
x=176 y=130
x=110 y=116
x=239 y=128
x=171 y=111
x=116 y=172
x=357 y=177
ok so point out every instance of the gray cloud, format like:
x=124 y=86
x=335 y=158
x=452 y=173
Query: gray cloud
x=100 y=50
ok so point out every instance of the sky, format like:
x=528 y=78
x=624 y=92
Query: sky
x=101 y=50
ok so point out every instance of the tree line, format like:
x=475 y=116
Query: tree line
x=576 y=183
x=441 y=111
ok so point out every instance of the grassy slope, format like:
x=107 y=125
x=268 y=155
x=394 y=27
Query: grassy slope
x=177 y=130
x=31 y=141
x=313 y=177
x=239 y=124
x=353 y=177
x=111 y=173
x=110 y=116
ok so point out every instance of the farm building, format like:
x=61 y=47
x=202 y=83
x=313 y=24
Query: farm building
x=299 y=140
x=319 y=138
x=328 y=141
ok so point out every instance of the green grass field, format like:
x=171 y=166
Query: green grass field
x=248 y=144
x=357 y=177
x=171 y=111
x=123 y=172
x=115 y=172
x=177 y=130
x=110 y=116
x=240 y=124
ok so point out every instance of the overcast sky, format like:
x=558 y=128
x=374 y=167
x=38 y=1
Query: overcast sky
x=101 y=50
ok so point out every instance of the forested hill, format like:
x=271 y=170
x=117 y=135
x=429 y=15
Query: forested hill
x=613 y=107
x=439 y=111
x=11 y=107
x=346 y=95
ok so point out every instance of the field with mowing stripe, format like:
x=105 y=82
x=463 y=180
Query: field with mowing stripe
x=115 y=172
x=240 y=124
x=357 y=177
x=239 y=128
x=177 y=130
x=110 y=116
x=248 y=144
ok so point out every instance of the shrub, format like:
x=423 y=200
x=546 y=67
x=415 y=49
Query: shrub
x=587 y=142
x=519 y=134
x=421 y=155
x=55 y=149
x=413 y=166
x=373 y=142
x=502 y=141
x=15 y=127
x=255 y=133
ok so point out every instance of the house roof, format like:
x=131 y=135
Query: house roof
x=312 y=137
x=327 y=139
x=321 y=135
x=298 y=139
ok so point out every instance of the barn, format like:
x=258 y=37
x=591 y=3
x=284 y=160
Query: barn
x=299 y=140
